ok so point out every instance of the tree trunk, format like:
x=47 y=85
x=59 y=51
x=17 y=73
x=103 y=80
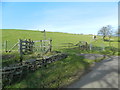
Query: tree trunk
x=104 y=38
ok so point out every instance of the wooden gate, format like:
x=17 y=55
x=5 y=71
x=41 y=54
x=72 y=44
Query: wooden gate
x=29 y=46
x=26 y=46
x=82 y=45
x=43 y=46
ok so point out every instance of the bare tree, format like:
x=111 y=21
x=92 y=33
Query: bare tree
x=105 y=31
x=110 y=31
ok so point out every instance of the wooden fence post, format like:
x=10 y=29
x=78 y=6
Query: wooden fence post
x=44 y=46
x=6 y=45
x=20 y=50
x=50 y=45
x=90 y=47
x=41 y=45
x=26 y=45
x=29 y=46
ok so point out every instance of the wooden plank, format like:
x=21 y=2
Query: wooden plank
x=26 y=49
x=43 y=46
x=45 y=40
x=42 y=41
x=24 y=41
x=27 y=45
x=14 y=46
x=38 y=41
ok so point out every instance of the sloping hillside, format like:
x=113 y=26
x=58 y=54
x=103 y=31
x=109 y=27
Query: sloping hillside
x=59 y=38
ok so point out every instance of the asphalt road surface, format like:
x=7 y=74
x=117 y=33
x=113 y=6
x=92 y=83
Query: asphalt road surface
x=103 y=75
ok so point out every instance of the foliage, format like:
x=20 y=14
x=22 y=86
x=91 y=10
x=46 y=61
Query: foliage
x=57 y=74
x=111 y=50
x=62 y=72
x=105 y=31
x=10 y=58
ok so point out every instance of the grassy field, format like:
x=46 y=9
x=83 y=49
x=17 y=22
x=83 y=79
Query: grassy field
x=60 y=73
x=58 y=38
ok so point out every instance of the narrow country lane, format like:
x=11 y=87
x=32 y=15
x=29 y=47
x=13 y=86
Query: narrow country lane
x=103 y=75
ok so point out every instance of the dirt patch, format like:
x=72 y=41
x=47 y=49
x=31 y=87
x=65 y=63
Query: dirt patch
x=91 y=56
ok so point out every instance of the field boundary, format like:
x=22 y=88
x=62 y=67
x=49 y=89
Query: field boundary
x=13 y=73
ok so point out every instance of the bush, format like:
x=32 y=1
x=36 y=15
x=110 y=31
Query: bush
x=111 y=50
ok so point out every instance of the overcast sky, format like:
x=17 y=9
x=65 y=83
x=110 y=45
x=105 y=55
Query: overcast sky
x=71 y=17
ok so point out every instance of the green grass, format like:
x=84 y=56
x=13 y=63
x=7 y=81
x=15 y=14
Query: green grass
x=58 y=38
x=62 y=72
x=59 y=73
x=9 y=58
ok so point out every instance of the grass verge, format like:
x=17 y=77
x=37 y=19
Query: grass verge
x=58 y=74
